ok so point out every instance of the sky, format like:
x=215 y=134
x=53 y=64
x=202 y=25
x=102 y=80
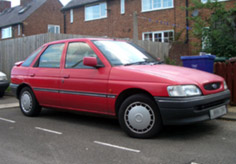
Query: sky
x=17 y=2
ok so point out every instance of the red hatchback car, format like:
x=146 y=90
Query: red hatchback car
x=119 y=79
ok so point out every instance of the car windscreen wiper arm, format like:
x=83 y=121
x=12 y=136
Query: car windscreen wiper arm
x=137 y=63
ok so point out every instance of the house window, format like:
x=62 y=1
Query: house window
x=6 y=32
x=71 y=16
x=122 y=6
x=205 y=1
x=159 y=36
x=54 y=29
x=96 y=11
x=149 y=5
x=19 y=32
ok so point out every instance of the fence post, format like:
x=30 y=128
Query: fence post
x=234 y=84
x=229 y=78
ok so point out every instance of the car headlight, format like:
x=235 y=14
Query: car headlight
x=183 y=90
x=3 y=78
x=225 y=85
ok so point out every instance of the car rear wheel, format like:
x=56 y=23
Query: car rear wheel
x=139 y=116
x=28 y=103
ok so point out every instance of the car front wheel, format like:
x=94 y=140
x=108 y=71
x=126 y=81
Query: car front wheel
x=139 y=116
x=28 y=103
x=1 y=93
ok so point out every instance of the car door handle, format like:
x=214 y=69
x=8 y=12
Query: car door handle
x=66 y=76
x=32 y=75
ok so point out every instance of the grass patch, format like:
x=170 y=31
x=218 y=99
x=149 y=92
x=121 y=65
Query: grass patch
x=8 y=89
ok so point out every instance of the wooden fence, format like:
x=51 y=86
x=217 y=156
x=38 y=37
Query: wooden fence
x=18 y=49
x=228 y=72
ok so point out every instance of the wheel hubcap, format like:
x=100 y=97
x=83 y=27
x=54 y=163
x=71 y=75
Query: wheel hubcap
x=139 y=117
x=26 y=102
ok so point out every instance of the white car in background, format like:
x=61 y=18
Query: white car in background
x=4 y=83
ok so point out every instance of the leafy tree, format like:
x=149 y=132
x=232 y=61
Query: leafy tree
x=217 y=30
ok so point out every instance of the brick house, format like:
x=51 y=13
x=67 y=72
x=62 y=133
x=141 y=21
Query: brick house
x=154 y=20
x=30 y=18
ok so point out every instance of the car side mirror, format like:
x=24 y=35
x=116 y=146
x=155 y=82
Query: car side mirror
x=92 y=62
x=19 y=63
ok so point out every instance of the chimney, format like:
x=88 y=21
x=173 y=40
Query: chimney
x=24 y=2
x=4 y=5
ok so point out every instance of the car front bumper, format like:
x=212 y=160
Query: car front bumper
x=3 y=85
x=178 y=111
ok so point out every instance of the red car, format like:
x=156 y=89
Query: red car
x=119 y=79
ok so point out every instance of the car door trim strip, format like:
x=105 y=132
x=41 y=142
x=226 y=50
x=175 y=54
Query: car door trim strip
x=84 y=93
x=47 y=90
x=76 y=93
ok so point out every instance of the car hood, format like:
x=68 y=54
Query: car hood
x=164 y=73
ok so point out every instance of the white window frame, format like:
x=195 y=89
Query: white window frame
x=101 y=17
x=6 y=30
x=205 y=1
x=71 y=16
x=122 y=6
x=19 y=29
x=157 y=32
x=153 y=9
x=55 y=26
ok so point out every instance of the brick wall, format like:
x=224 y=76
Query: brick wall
x=121 y=25
x=48 y=13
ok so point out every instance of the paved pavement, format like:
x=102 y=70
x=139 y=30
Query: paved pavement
x=63 y=137
x=231 y=115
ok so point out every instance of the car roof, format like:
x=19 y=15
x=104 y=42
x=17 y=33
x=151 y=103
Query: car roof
x=78 y=39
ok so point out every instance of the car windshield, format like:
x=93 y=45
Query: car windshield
x=123 y=53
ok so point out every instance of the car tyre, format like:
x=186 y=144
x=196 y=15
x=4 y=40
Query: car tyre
x=28 y=103
x=2 y=94
x=139 y=116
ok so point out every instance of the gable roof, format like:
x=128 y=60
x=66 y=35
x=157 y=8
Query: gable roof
x=18 y=14
x=78 y=3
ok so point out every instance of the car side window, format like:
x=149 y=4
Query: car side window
x=75 y=54
x=30 y=59
x=51 y=57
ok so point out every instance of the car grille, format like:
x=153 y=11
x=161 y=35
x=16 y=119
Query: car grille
x=205 y=106
x=212 y=86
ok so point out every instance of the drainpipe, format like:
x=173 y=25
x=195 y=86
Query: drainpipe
x=22 y=29
x=135 y=27
x=64 y=14
x=187 y=22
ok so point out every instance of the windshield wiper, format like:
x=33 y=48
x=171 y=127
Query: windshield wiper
x=145 y=63
x=137 y=63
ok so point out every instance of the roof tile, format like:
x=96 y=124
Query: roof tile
x=77 y=3
x=12 y=16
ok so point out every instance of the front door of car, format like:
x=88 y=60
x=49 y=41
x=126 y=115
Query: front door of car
x=44 y=77
x=83 y=88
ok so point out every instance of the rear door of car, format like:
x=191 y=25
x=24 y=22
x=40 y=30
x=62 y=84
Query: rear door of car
x=44 y=76
x=84 y=88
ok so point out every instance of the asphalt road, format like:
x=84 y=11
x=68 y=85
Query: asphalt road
x=58 y=137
